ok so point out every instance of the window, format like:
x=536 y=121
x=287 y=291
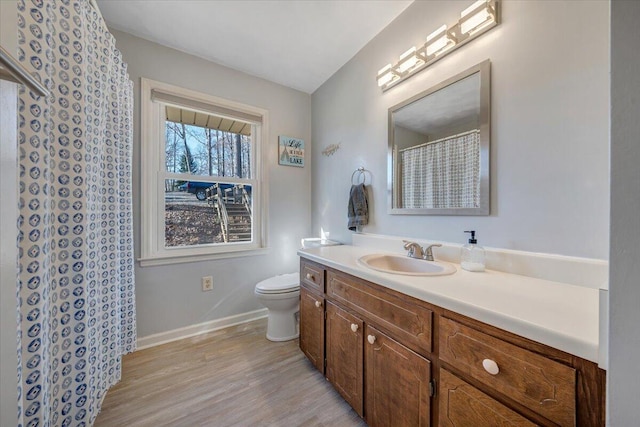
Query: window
x=201 y=176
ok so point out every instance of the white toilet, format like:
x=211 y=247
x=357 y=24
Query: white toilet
x=281 y=296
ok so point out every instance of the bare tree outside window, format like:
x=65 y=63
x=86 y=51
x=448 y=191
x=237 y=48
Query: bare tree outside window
x=208 y=211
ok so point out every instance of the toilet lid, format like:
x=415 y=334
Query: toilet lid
x=279 y=284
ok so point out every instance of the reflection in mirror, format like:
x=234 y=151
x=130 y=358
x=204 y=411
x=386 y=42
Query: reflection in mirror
x=439 y=148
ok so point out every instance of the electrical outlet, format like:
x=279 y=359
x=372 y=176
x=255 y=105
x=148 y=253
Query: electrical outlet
x=207 y=283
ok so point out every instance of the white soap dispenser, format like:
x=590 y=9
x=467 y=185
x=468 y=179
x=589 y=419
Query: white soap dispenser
x=472 y=254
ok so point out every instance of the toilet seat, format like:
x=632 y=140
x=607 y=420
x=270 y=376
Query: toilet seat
x=281 y=284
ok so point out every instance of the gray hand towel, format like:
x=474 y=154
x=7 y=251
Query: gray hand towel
x=358 y=212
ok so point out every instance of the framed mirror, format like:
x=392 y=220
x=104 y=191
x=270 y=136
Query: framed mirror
x=438 y=161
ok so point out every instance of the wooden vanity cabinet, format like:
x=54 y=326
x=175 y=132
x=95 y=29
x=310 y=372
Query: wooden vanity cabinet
x=544 y=385
x=383 y=337
x=396 y=390
x=312 y=327
x=532 y=380
x=463 y=405
x=312 y=305
x=368 y=337
x=344 y=368
x=408 y=320
x=397 y=383
x=400 y=361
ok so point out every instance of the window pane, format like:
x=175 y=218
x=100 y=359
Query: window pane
x=200 y=213
x=203 y=144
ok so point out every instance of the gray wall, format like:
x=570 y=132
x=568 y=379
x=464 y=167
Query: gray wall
x=8 y=231
x=550 y=127
x=624 y=292
x=170 y=297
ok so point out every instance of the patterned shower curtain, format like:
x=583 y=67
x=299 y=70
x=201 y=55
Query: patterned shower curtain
x=76 y=284
x=442 y=174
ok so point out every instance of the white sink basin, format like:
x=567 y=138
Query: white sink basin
x=398 y=264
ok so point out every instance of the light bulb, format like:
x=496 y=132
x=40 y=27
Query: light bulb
x=409 y=60
x=473 y=19
x=439 y=41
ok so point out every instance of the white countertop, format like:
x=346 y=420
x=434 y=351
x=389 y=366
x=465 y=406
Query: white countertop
x=557 y=314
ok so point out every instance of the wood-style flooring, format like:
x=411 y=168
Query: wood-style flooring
x=231 y=377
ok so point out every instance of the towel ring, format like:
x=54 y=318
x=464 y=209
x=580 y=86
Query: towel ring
x=361 y=171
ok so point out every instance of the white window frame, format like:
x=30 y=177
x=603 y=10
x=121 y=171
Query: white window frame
x=152 y=176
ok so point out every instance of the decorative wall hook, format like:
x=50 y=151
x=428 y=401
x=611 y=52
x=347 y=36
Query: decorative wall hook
x=331 y=149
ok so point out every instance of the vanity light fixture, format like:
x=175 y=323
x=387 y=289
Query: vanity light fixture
x=475 y=20
x=386 y=75
x=477 y=16
x=408 y=61
x=439 y=41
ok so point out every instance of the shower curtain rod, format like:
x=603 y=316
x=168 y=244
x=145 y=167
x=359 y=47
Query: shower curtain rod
x=439 y=140
x=13 y=71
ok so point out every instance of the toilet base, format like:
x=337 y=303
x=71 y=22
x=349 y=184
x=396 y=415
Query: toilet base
x=279 y=339
x=282 y=326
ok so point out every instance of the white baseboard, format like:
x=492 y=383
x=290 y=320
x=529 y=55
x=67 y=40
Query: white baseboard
x=200 y=328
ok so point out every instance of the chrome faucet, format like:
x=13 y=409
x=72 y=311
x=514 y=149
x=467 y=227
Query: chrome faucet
x=428 y=252
x=416 y=251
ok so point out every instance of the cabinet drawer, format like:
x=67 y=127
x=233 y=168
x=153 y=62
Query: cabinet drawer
x=312 y=276
x=405 y=318
x=540 y=384
x=462 y=405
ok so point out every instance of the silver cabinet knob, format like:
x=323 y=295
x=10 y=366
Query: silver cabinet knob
x=354 y=327
x=310 y=277
x=318 y=304
x=490 y=366
x=371 y=339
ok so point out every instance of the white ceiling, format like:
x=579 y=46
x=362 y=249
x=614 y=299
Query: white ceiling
x=296 y=43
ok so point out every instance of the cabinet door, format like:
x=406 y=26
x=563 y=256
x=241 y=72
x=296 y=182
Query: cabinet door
x=463 y=405
x=344 y=355
x=397 y=383
x=312 y=327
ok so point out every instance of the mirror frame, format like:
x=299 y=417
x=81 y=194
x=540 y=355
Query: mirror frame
x=484 y=69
